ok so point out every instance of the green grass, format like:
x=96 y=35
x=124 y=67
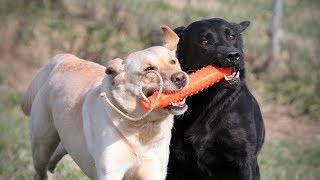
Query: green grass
x=15 y=156
x=67 y=170
x=2 y=75
x=288 y=160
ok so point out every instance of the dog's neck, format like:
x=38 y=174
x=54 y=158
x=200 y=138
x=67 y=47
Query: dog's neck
x=219 y=93
x=123 y=99
x=146 y=130
x=217 y=100
x=128 y=100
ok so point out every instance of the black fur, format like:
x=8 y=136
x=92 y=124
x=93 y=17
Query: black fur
x=223 y=132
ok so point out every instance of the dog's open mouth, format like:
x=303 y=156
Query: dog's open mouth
x=235 y=75
x=180 y=105
x=177 y=105
x=175 y=108
x=233 y=79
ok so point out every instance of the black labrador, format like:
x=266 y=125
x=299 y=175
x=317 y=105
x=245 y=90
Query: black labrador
x=223 y=132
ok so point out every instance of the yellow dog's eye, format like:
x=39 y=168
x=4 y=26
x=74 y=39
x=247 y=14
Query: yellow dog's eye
x=150 y=68
x=172 y=61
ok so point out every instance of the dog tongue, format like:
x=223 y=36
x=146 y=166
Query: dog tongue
x=179 y=103
x=235 y=74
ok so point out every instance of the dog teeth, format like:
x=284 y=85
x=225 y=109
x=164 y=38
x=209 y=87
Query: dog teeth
x=180 y=103
x=238 y=74
x=227 y=78
x=234 y=75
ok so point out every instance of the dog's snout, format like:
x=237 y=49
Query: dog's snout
x=233 y=56
x=179 y=79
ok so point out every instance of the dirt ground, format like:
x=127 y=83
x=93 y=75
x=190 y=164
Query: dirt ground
x=281 y=121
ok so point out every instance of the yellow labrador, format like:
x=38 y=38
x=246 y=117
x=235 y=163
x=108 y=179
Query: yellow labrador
x=64 y=104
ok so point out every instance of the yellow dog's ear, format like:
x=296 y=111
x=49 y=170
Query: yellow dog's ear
x=114 y=66
x=171 y=39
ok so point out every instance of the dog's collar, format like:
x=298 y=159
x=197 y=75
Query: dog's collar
x=105 y=93
x=106 y=99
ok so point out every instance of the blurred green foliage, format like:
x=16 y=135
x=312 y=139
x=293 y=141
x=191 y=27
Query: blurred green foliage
x=10 y=100
x=2 y=76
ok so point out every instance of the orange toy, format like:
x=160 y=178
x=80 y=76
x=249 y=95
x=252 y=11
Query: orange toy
x=199 y=81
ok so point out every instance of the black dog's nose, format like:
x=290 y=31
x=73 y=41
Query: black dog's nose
x=233 y=56
x=179 y=79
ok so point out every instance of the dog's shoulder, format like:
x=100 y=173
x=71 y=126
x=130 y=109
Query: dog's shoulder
x=71 y=63
x=73 y=74
x=70 y=79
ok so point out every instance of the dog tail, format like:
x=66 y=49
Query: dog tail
x=37 y=82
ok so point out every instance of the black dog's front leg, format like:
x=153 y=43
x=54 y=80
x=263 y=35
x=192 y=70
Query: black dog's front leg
x=249 y=171
x=245 y=172
x=255 y=170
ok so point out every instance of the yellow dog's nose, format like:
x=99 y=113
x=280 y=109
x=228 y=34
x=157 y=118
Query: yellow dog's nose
x=179 y=79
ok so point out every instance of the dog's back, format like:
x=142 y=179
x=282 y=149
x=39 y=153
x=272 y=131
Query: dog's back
x=61 y=63
x=37 y=82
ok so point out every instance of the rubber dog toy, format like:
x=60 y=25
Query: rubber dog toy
x=199 y=80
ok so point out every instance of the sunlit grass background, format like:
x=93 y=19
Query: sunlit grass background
x=33 y=31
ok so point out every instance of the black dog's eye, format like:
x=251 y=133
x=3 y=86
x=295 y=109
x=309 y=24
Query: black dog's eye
x=204 y=42
x=150 y=68
x=232 y=37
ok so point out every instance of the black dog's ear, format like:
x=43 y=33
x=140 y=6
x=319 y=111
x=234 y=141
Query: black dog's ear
x=179 y=31
x=242 y=26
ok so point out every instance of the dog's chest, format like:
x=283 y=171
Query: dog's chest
x=151 y=140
